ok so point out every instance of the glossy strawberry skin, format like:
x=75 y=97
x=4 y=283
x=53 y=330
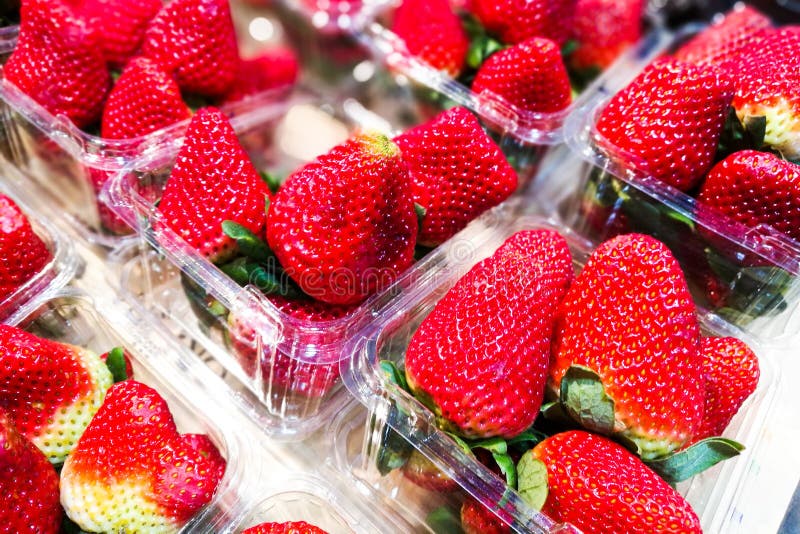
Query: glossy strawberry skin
x=598 y=486
x=432 y=32
x=344 y=226
x=457 y=171
x=514 y=21
x=630 y=318
x=213 y=180
x=289 y=527
x=271 y=69
x=479 y=359
x=530 y=75
x=604 y=29
x=23 y=254
x=667 y=122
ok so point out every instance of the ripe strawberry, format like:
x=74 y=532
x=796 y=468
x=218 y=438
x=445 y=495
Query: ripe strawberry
x=212 y=181
x=132 y=471
x=731 y=372
x=52 y=40
x=144 y=99
x=289 y=527
x=457 y=171
x=344 y=225
x=479 y=359
x=273 y=68
x=667 y=122
x=756 y=188
x=598 y=486
x=29 y=485
x=196 y=40
x=432 y=32
x=603 y=30
x=477 y=519
x=22 y=252
x=50 y=390
x=629 y=317
x=530 y=75
x=514 y=21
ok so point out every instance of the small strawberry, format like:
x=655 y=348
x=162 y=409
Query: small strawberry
x=603 y=30
x=530 y=75
x=477 y=519
x=29 y=485
x=289 y=527
x=424 y=473
x=109 y=221
x=479 y=359
x=514 y=21
x=196 y=40
x=272 y=68
x=22 y=252
x=667 y=122
x=344 y=226
x=50 y=390
x=599 y=487
x=53 y=40
x=133 y=472
x=212 y=181
x=432 y=32
x=629 y=318
x=457 y=171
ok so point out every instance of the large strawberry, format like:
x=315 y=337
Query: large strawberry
x=603 y=30
x=514 y=21
x=271 y=69
x=213 y=180
x=600 y=487
x=530 y=75
x=58 y=62
x=288 y=527
x=133 y=472
x=457 y=171
x=479 y=359
x=22 y=252
x=196 y=40
x=51 y=390
x=29 y=485
x=667 y=122
x=344 y=225
x=630 y=320
x=432 y=32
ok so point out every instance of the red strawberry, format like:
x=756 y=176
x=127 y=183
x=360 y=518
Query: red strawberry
x=514 y=21
x=530 y=75
x=479 y=359
x=731 y=371
x=52 y=40
x=756 y=188
x=50 y=390
x=29 y=485
x=667 y=122
x=273 y=68
x=145 y=99
x=477 y=519
x=132 y=471
x=109 y=220
x=212 y=181
x=196 y=40
x=603 y=30
x=457 y=171
x=22 y=252
x=344 y=226
x=289 y=527
x=432 y=32
x=599 y=487
x=629 y=318
x=424 y=473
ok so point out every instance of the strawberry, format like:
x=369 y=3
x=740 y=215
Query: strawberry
x=212 y=181
x=289 y=527
x=272 y=68
x=514 y=21
x=432 y=32
x=424 y=473
x=630 y=319
x=668 y=120
x=145 y=99
x=598 y=486
x=477 y=519
x=479 y=359
x=344 y=226
x=50 y=390
x=457 y=171
x=22 y=252
x=29 y=484
x=731 y=373
x=530 y=75
x=132 y=471
x=196 y=40
x=755 y=188
x=53 y=40
x=603 y=30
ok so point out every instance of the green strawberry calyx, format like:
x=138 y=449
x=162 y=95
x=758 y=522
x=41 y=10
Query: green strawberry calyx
x=585 y=400
x=532 y=480
x=115 y=361
x=685 y=463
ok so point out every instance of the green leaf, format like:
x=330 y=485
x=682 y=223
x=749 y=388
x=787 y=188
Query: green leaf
x=555 y=412
x=532 y=480
x=465 y=446
x=273 y=182
x=249 y=243
x=395 y=375
x=686 y=463
x=394 y=450
x=569 y=47
x=443 y=519
x=480 y=49
x=584 y=399
x=420 y=210
x=495 y=445
x=527 y=440
x=115 y=361
x=237 y=270
x=507 y=467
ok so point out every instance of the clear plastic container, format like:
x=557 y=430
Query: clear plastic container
x=714 y=494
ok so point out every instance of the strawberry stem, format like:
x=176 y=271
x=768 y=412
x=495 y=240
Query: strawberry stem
x=115 y=361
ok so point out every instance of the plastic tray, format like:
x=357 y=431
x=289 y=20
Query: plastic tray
x=714 y=494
